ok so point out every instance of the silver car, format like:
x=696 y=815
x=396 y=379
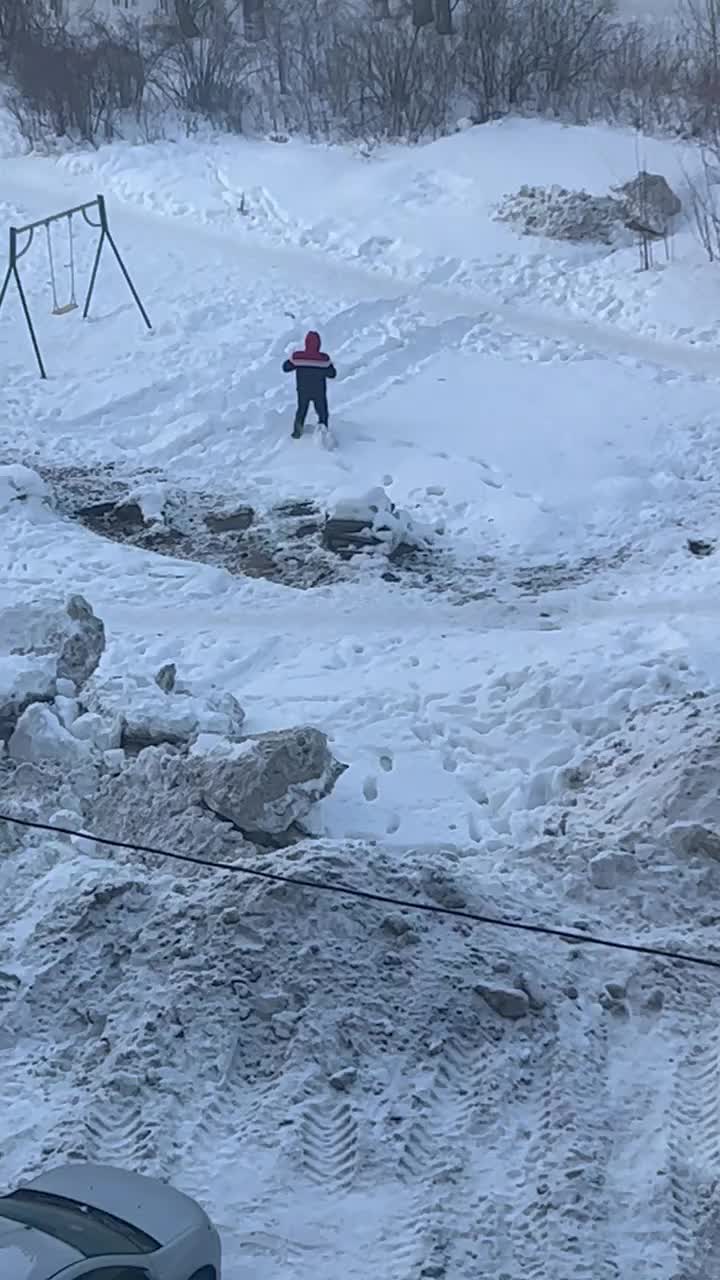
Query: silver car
x=93 y=1222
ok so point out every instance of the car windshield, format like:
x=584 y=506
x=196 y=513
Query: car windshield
x=91 y=1231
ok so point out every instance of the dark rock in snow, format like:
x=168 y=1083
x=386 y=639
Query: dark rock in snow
x=118 y=518
x=83 y=643
x=166 y=676
x=697 y=547
x=509 y=1002
x=231 y=521
x=344 y=1080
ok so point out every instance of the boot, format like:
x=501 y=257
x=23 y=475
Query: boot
x=297 y=430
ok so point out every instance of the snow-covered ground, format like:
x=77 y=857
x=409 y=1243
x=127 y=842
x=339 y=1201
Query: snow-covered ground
x=328 y=1078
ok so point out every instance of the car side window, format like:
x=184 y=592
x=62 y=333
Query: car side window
x=116 y=1273
x=205 y=1273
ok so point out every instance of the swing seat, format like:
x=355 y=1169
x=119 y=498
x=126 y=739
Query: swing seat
x=65 y=308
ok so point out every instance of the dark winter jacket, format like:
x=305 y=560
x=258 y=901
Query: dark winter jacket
x=312 y=368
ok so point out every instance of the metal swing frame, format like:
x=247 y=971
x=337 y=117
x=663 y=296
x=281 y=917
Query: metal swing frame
x=18 y=251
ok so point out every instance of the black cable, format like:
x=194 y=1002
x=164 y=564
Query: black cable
x=366 y=895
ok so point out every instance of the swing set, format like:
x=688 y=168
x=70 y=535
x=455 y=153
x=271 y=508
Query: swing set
x=59 y=308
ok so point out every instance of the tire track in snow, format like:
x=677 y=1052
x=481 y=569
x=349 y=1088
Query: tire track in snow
x=694 y=1158
x=124 y=1131
x=459 y=1159
x=225 y=1151
x=640 y=1104
x=453 y=1093
x=564 y=1229
x=223 y=1111
x=330 y=1144
x=428 y=1159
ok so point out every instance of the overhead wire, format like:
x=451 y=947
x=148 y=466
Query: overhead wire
x=368 y=895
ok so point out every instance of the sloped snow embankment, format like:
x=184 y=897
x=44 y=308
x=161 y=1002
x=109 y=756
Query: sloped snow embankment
x=426 y=214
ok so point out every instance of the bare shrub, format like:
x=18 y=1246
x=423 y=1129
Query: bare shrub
x=206 y=75
x=570 y=41
x=18 y=18
x=705 y=203
x=495 y=58
x=72 y=86
x=362 y=69
x=407 y=83
x=701 y=26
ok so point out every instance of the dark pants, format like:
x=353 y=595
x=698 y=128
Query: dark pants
x=319 y=403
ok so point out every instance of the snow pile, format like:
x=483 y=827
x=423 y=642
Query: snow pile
x=109 y=750
x=173 y=1015
x=271 y=782
x=560 y=214
x=656 y=779
x=24 y=679
x=45 y=650
x=373 y=520
x=21 y=484
x=155 y=710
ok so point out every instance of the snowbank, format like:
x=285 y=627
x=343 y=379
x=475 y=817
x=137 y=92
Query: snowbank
x=21 y=484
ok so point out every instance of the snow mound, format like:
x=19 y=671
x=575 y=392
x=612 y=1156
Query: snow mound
x=560 y=214
x=71 y=631
x=151 y=713
x=21 y=484
x=372 y=518
x=24 y=679
x=139 y=757
x=272 y=782
x=39 y=736
x=658 y=769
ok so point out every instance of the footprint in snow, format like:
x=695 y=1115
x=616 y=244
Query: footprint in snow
x=370 y=788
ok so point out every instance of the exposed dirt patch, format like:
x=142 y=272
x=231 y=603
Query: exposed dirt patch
x=287 y=543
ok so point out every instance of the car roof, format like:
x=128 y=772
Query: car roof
x=27 y=1254
x=157 y=1209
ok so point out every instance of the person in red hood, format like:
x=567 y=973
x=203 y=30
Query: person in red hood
x=312 y=368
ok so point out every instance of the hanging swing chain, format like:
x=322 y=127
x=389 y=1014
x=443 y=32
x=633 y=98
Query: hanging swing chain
x=71 y=264
x=53 y=285
x=72 y=304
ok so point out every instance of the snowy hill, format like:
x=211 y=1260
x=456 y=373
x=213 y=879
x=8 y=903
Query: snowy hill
x=521 y=676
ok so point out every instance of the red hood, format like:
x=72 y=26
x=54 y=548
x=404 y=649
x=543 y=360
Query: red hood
x=311 y=353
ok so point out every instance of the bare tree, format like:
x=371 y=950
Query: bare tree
x=254 y=20
x=18 y=18
x=704 y=203
x=701 y=25
x=495 y=57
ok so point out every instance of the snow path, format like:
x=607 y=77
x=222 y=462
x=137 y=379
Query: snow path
x=36 y=192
